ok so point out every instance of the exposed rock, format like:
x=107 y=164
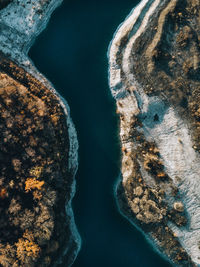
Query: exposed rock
x=38 y=150
x=178 y=206
x=154 y=72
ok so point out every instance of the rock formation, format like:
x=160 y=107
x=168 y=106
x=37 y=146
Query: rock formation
x=38 y=149
x=154 y=74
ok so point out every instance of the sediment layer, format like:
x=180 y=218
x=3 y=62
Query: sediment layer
x=154 y=77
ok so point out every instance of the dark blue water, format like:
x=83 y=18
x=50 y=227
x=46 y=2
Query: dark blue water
x=71 y=52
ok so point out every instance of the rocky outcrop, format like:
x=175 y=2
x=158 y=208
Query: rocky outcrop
x=38 y=150
x=154 y=76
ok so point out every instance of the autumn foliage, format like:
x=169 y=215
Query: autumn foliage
x=33 y=183
x=26 y=247
x=34 y=177
x=3 y=193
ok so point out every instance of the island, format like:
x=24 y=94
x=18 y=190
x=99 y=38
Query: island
x=38 y=149
x=154 y=76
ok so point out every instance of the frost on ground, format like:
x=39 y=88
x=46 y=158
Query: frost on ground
x=154 y=74
x=39 y=160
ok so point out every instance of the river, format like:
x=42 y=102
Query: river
x=71 y=52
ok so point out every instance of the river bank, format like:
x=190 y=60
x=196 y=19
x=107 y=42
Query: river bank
x=108 y=239
x=20 y=25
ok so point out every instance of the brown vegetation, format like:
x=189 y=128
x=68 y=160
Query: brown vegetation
x=33 y=157
x=32 y=183
x=26 y=247
x=166 y=64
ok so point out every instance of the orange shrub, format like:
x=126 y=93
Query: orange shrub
x=27 y=248
x=33 y=183
x=3 y=192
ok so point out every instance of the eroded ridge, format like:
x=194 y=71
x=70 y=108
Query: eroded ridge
x=38 y=149
x=155 y=78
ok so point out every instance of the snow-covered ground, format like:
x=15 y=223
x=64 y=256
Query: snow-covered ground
x=20 y=23
x=171 y=135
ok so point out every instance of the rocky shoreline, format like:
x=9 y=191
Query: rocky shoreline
x=20 y=25
x=154 y=78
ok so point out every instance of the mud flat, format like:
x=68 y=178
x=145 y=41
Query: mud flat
x=154 y=76
x=38 y=150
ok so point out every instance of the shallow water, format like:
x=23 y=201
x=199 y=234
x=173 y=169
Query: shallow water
x=71 y=52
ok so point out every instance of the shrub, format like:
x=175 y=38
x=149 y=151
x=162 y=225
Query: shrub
x=26 y=247
x=33 y=183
